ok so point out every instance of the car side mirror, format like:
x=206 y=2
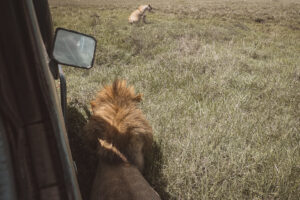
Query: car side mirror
x=73 y=48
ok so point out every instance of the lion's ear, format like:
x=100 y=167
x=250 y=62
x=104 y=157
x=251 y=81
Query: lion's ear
x=138 y=98
x=93 y=104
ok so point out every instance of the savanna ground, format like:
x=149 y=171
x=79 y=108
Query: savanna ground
x=221 y=85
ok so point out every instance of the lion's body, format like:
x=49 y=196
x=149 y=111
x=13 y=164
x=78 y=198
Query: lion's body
x=139 y=14
x=121 y=182
x=123 y=136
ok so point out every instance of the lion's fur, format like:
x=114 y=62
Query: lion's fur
x=112 y=150
x=139 y=14
x=121 y=182
x=123 y=136
x=117 y=121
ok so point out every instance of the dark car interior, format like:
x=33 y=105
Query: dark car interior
x=35 y=158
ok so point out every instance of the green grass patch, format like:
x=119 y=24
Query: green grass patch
x=221 y=85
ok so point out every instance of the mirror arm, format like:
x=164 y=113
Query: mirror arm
x=63 y=92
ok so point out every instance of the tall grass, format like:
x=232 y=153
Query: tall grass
x=221 y=84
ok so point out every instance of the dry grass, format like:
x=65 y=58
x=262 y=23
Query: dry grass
x=221 y=81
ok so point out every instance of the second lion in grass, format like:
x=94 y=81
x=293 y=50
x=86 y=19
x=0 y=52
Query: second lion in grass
x=138 y=14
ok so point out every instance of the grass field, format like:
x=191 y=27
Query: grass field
x=221 y=85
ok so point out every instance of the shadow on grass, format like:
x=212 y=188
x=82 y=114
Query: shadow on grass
x=86 y=161
x=153 y=172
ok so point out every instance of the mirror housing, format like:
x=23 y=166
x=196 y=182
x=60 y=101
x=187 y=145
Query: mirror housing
x=73 y=48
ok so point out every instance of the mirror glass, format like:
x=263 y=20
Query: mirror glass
x=74 y=49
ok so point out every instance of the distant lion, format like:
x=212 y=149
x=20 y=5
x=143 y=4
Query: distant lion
x=139 y=14
x=119 y=126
